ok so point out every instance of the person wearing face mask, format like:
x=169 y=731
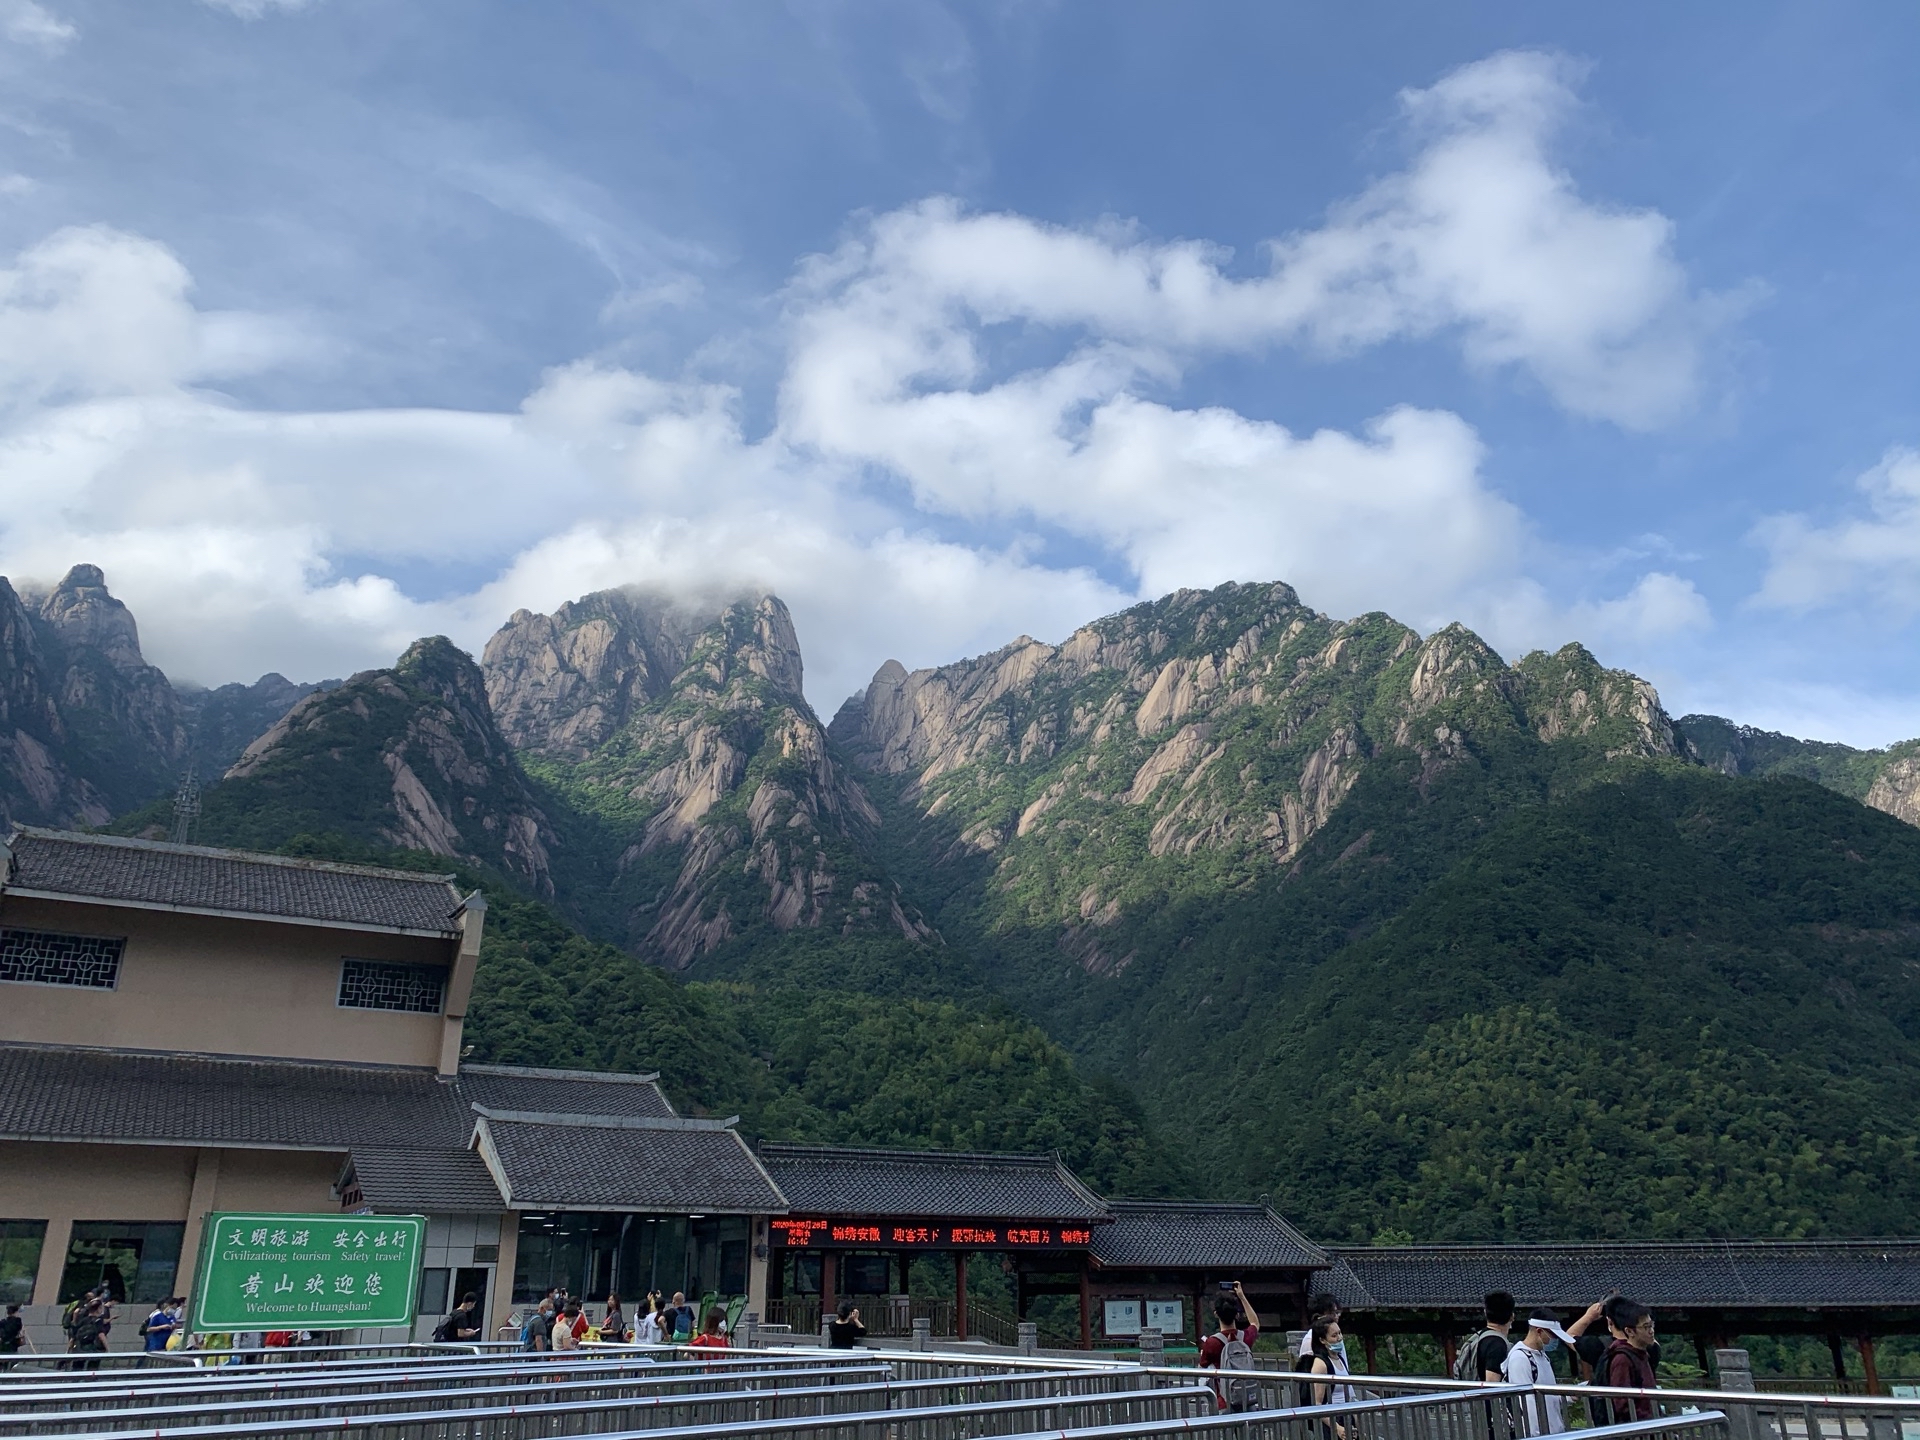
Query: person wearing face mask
x=1531 y=1363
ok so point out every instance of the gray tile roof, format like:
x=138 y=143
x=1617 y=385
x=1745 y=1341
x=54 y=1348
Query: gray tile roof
x=70 y=1094
x=417 y=1180
x=1678 y=1274
x=680 y=1166
x=575 y=1092
x=408 y=1132
x=1201 y=1234
x=851 y=1181
x=151 y=874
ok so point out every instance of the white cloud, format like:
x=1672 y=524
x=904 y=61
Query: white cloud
x=896 y=499
x=26 y=22
x=255 y=9
x=1873 y=556
x=1480 y=237
x=1659 y=607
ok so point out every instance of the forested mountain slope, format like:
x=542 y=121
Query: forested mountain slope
x=1414 y=940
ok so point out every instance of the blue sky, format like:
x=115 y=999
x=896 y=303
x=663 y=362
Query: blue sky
x=324 y=325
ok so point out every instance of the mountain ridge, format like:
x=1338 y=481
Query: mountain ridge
x=1385 y=891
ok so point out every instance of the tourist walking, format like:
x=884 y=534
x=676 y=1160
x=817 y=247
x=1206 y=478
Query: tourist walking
x=652 y=1328
x=1326 y=1355
x=1485 y=1351
x=712 y=1334
x=13 y=1334
x=565 y=1336
x=1626 y=1364
x=1530 y=1362
x=845 y=1330
x=1231 y=1348
x=613 y=1325
x=682 y=1316
x=157 y=1329
x=536 y=1331
x=463 y=1323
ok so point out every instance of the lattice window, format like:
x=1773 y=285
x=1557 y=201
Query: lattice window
x=42 y=957
x=377 y=985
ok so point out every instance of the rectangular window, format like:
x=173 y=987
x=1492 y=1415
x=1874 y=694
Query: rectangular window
x=135 y=1259
x=20 y=1243
x=43 y=957
x=434 y=1284
x=378 y=985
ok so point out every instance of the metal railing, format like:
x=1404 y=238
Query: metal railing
x=830 y=1412
x=520 y=1388
x=874 y=1393
x=222 y=1386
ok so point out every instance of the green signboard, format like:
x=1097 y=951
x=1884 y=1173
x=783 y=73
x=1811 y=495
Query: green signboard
x=307 y=1272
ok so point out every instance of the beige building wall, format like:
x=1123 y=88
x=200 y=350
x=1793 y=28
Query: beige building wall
x=62 y=1183
x=222 y=986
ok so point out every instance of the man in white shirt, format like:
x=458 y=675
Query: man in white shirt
x=1529 y=1363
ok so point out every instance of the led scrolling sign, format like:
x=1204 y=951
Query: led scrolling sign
x=804 y=1233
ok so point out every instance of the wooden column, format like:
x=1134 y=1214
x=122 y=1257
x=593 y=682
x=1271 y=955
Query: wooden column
x=1839 y=1357
x=906 y=1272
x=960 y=1294
x=1086 y=1307
x=829 y=1282
x=1447 y=1350
x=1867 y=1364
x=1371 y=1342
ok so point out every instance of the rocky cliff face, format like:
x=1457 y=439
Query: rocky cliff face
x=90 y=728
x=1216 y=729
x=562 y=684
x=408 y=756
x=690 y=740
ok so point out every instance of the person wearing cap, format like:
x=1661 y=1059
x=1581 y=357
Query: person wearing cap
x=1531 y=1363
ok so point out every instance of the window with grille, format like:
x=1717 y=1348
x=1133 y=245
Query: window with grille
x=379 y=985
x=43 y=957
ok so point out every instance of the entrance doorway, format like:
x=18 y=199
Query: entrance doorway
x=473 y=1280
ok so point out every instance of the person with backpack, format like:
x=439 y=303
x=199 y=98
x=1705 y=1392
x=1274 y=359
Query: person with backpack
x=13 y=1334
x=463 y=1323
x=157 y=1329
x=1530 y=1363
x=1485 y=1351
x=1231 y=1348
x=1626 y=1363
x=1326 y=1355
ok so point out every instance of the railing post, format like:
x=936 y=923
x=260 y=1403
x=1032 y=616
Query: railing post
x=750 y=1329
x=1736 y=1370
x=922 y=1332
x=1153 y=1347
x=826 y=1328
x=1029 y=1333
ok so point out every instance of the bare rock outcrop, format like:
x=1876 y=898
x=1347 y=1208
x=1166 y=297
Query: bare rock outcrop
x=563 y=683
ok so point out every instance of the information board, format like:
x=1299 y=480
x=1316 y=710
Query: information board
x=306 y=1272
x=802 y=1232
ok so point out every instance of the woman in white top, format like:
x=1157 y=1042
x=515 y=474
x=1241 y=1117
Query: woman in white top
x=647 y=1330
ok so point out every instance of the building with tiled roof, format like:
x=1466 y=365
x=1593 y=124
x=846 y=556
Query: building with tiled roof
x=201 y=880
x=1705 y=1289
x=857 y=1181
